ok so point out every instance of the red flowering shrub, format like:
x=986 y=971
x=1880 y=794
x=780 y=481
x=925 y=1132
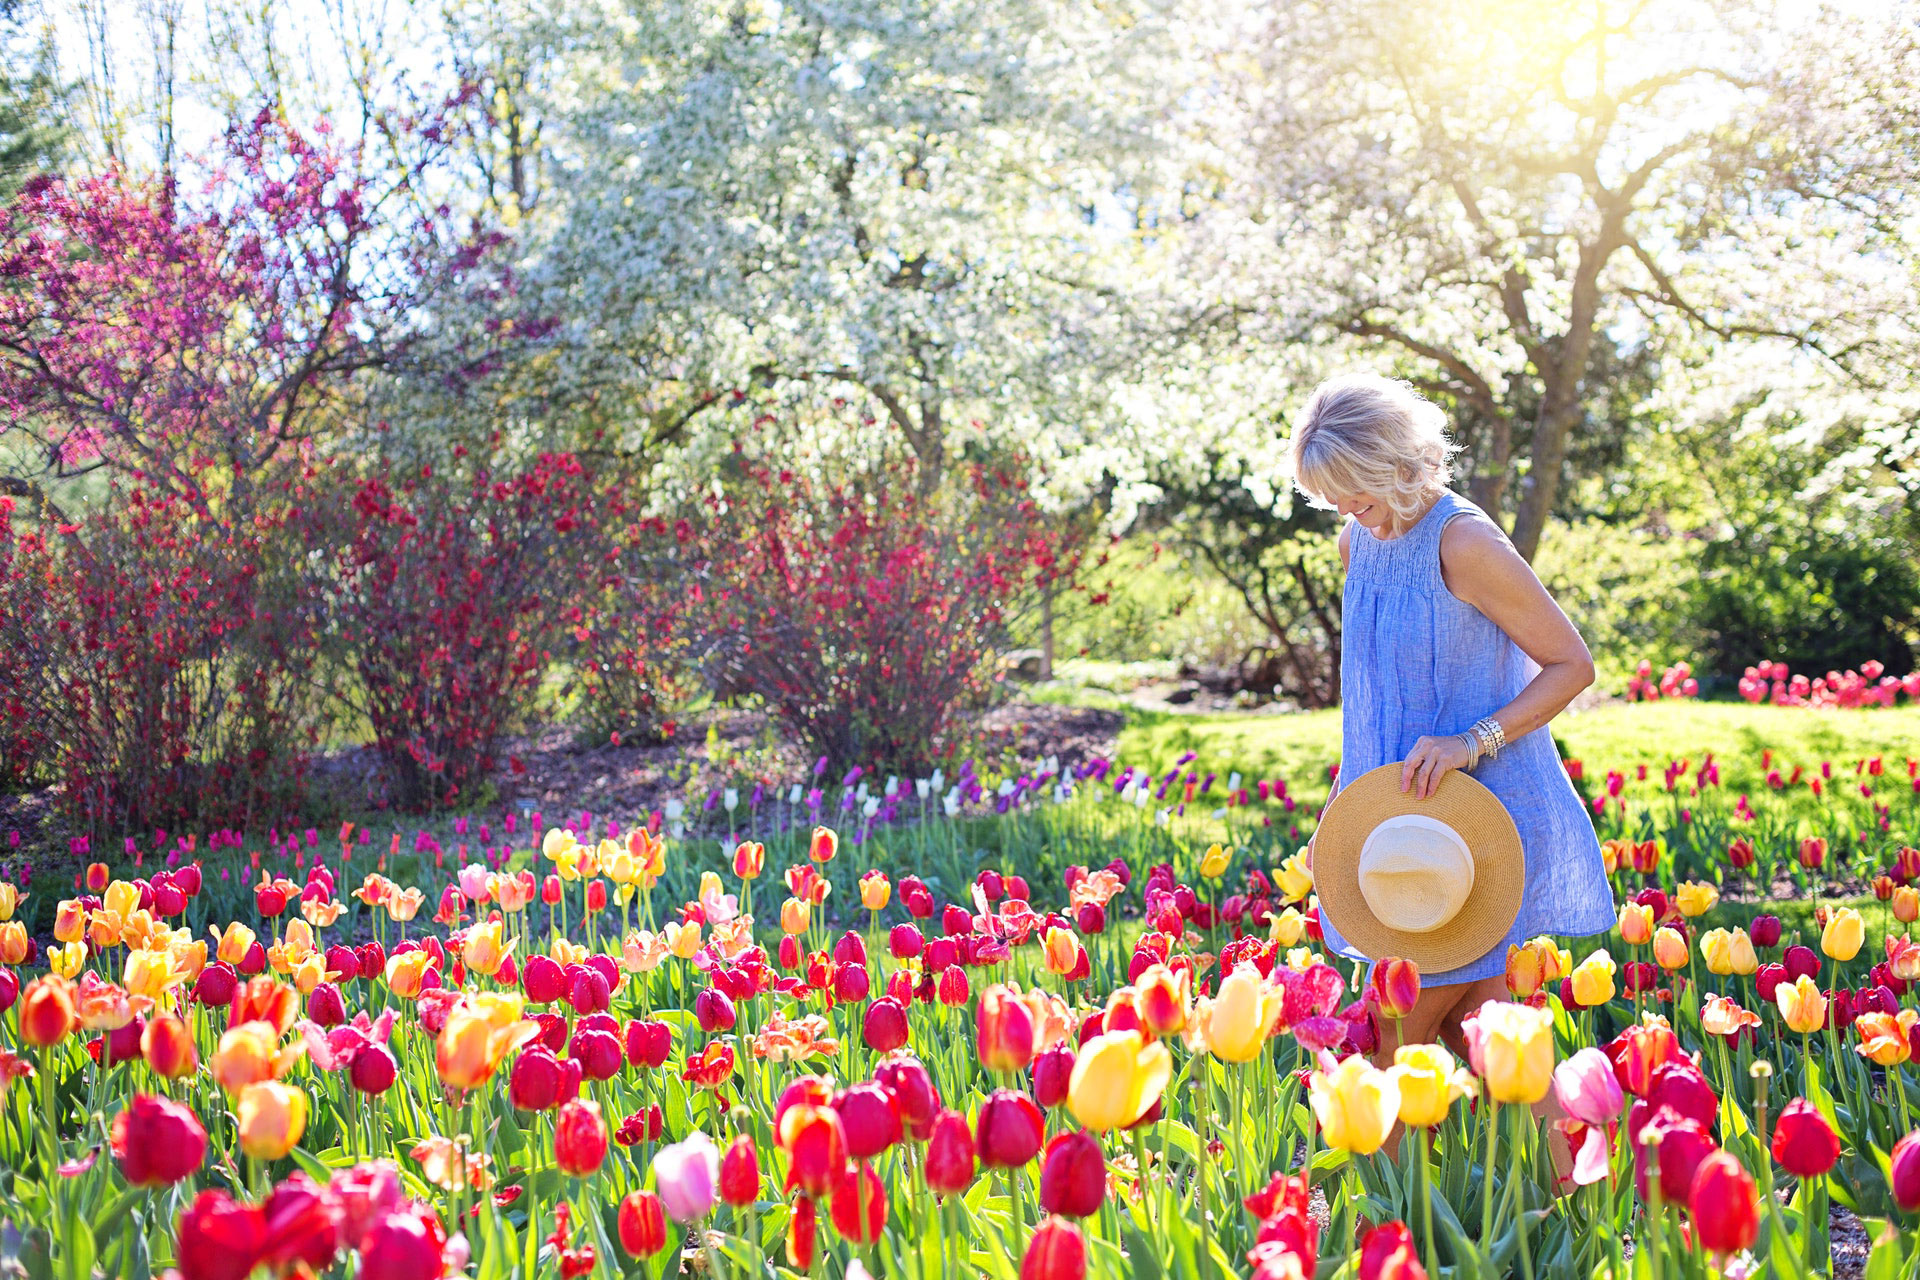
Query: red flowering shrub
x=450 y=587
x=171 y=660
x=24 y=745
x=863 y=613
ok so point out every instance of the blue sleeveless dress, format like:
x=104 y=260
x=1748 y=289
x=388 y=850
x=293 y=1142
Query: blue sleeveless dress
x=1417 y=660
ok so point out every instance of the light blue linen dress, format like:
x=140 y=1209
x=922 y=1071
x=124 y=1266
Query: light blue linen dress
x=1417 y=660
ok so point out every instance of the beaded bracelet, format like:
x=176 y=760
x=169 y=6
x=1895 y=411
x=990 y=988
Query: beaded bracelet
x=1492 y=736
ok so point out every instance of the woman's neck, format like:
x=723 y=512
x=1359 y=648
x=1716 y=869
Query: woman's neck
x=1396 y=529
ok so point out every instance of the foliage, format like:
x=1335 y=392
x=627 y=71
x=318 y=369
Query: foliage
x=861 y=611
x=167 y=660
x=449 y=587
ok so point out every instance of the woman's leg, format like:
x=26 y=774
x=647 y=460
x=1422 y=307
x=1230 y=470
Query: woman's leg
x=1434 y=1019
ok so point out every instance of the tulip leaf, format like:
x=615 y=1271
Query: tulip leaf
x=1886 y=1259
x=119 y=1206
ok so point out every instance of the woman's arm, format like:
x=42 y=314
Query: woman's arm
x=1482 y=568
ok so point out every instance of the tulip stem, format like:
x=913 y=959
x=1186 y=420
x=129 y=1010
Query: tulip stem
x=1521 y=1117
x=1426 y=1201
x=1486 y=1189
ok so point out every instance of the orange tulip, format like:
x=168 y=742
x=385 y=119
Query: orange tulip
x=1884 y=1036
x=875 y=891
x=264 y=1000
x=272 y=1117
x=407 y=971
x=168 y=1047
x=1636 y=924
x=250 y=1053
x=1163 y=999
x=47 y=1011
x=479 y=1033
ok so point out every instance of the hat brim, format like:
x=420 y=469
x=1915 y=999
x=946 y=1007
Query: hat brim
x=1499 y=868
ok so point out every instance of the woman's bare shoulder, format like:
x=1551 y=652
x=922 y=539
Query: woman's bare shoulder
x=1346 y=536
x=1476 y=553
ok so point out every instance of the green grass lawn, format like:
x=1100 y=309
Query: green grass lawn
x=1299 y=747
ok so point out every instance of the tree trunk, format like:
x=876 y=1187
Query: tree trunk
x=1542 y=483
x=1046 y=634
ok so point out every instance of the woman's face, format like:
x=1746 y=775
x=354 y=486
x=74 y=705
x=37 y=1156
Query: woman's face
x=1370 y=510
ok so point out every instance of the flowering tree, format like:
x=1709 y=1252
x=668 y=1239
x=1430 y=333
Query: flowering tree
x=1498 y=199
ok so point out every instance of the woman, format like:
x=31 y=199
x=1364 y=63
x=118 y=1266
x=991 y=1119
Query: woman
x=1444 y=624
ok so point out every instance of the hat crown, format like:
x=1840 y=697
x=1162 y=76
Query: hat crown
x=1415 y=872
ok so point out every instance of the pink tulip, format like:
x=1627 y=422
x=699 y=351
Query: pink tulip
x=1588 y=1089
x=687 y=1176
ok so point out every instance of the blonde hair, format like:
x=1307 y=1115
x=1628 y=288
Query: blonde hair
x=1362 y=433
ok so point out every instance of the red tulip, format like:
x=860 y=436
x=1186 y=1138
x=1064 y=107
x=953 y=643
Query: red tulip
x=1073 y=1175
x=534 y=1082
x=1009 y=1129
x=579 y=1138
x=407 y=1244
x=1057 y=1251
x=816 y=1145
x=588 y=991
x=1803 y=1142
x=642 y=1224
x=1640 y=1051
x=1005 y=1030
x=1395 y=986
x=550 y=890
x=1904 y=1177
x=953 y=987
x=168 y=1047
x=1387 y=1253
x=158 y=1141
x=949 y=1161
x=219 y=1238
x=713 y=1010
x=1052 y=1072
x=1725 y=1209
x=541 y=979
x=857 y=1188
x=215 y=985
x=597 y=1051
x=596 y=895
x=1767 y=981
x=870 y=1117
x=325 y=1007
x=739 y=1172
x=905 y=942
x=1683 y=1145
x=302 y=1225
x=913 y=1092
x=373 y=1069
x=802 y=1234
x=1801 y=961
x=885 y=1026
x=648 y=1043
x=1764 y=931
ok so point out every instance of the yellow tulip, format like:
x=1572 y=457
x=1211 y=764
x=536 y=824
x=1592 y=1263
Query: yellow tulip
x=1695 y=898
x=1293 y=879
x=876 y=891
x=484 y=951
x=1669 y=948
x=407 y=971
x=13 y=942
x=1430 y=1081
x=683 y=940
x=557 y=842
x=1236 y=1023
x=10 y=896
x=150 y=974
x=1288 y=928
x=1515 y=1044
x=1116 y=1079
x=1906 y=903
x=1593 y=979
x=1636 y=924
x=1802 y=1005
x=67 y=959
x=1214 y=864
x=233 y=945
x=1356 y=1104
x=1844 y=935
x=565 y=952
x=121 y=899
x=272 y=1117
x=479 y=1033
x=404 y=904
x=310 y=973
x=795 y=915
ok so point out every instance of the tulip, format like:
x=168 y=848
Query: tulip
x=859 y=1204
x=408 y=1244
x=1682 y=1145
x=1525 y=972
x=1057 y=1251
x=1636 y=924
x=1801 y=962
x=823 y=845
x=1005 y=1030
x=1587 y=1088
x=1429 y=1082
x=167 y=1045
x=250 y=1053
x=1764 y=930
x=272 y=1117
x=1117 y=1078
x=1238 y=1021
x=740 y=1172
x=1356 y=1105
x=1512 y=1048
x=1073 y=1175
x=373 y=1069
x=1813 y=852
x=1214 y=863
x=1904 y=1172
x=1695 y=898
x=1803 y=1142
x=642 y=1224
x=1724 y=1205
x=1905 y=903
x=47 y=1011
x=870 y=1117
x=579 y=1138
x=687 y=1176
x=1387 y=1254
x=1009 y=1130
x=219 y=1238
x=1844 y=935
x=1053 y=1075
x=1802 y=1005
x=1669 y=949
x=484 y=951
x=815 y=1140
x=364 y=1194
x=950 y=1154
x=875 y=891
x=479 y=1033
x=1592 y=979
x=1395 y=986
x=648 y=1043
x=1163 y=999
x=802 y=1234
x=303 y=1231
x=158 y=1141
x=1885 y=1037
x=884 y=1028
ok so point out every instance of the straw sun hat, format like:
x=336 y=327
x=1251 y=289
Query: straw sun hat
x=1435 y=881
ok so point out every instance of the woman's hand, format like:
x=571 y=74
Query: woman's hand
x=1431 y=760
